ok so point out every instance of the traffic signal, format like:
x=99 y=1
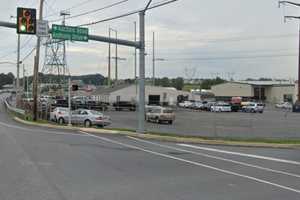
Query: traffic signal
x=26 y=21
x=74 y=87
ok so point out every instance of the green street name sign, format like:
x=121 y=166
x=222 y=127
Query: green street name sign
x=70 y=33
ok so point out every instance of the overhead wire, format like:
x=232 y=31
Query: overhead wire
x=155 y=5
x=92 y=11
x=231 y=58
x=70 y=8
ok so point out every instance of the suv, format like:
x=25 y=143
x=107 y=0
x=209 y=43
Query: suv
x=59 y=114
x=254 y=108
x=160 y=115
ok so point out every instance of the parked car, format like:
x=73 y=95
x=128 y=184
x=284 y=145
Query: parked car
x=207 y=105
x=59 y=113
x=197 y=105
x=221 y=107
x=284 y=105
x=124 y=105
x=87 y=118
x=185 y=104
x=160 y=114
x=254 y=108
x=90 y=117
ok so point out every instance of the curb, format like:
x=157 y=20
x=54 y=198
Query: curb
x=165 y=138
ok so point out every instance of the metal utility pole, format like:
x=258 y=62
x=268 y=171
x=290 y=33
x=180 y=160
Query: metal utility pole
x=116 y=73
x=116 y=53
x=135 y=53
x=298 y=18
x=141 y=116
x=18 y=72
x=109 y=60
x=153 y=60
x=64 y=14
x=36 y=67
x=24 y=77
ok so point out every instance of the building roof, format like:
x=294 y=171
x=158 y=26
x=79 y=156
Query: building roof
x=266 y=83
x=108 y=90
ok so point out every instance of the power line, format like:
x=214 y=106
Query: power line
x=72 y=7
x=15 y=51
x=29 y=53
x=93 y=11
x=158 y=4
x=232 y=58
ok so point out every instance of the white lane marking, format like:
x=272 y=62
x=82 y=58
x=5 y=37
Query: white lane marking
x=39 y=131
x=194 y=163
x=218 y=158
x=242 y=154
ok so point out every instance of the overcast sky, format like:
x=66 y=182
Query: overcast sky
x=197 y=38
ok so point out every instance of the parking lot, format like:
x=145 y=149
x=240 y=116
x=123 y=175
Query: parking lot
x=271 y=124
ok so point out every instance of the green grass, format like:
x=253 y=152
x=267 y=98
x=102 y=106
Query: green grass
x=231 y=139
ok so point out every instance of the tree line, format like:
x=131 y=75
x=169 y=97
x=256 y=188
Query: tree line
x=6 y=79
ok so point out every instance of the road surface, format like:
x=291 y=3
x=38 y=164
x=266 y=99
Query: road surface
x=48 y=164
x=270 y=124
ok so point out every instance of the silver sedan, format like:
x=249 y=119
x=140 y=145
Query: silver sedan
x=87 y=118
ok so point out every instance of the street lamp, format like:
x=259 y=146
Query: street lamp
x=116 y=54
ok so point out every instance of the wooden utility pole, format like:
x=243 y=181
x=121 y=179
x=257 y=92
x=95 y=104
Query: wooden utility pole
x=36 y=69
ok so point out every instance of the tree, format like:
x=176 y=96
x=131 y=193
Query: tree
x=178 y=83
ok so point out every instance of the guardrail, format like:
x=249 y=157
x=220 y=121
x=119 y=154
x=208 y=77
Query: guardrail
x=13 y=109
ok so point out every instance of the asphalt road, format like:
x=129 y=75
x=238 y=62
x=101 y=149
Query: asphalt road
x=270 y=124
x=38 y=163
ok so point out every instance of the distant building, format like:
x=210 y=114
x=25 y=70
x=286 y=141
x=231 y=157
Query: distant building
x=153 y=95
x=268 y=91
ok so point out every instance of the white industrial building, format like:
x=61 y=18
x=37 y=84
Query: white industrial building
x=268 y=91
x=153 y=94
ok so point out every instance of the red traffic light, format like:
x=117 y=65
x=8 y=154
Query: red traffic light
x=74 y=87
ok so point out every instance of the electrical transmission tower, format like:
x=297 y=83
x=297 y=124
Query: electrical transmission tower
x=55 y=65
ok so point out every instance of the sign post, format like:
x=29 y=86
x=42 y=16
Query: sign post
x=70 y=33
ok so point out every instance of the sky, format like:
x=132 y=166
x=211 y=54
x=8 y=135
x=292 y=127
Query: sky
x=195 y=38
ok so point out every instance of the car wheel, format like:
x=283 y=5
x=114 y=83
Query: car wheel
x=87 y=123
x=61 y=121
x=170 y=122
x=157 y=120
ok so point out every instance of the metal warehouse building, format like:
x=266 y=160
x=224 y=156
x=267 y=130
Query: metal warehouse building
x=268 y=91
x=153 y=94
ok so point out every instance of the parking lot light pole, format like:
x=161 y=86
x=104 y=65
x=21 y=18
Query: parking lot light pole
x=69 y=101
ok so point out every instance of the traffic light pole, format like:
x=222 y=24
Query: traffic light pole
x=36 y=68
x=18 y=74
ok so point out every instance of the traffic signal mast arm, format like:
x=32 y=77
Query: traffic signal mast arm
x=91 y=37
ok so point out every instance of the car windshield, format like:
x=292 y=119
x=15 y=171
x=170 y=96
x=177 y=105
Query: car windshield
x=167 y=111
x=95 y=112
